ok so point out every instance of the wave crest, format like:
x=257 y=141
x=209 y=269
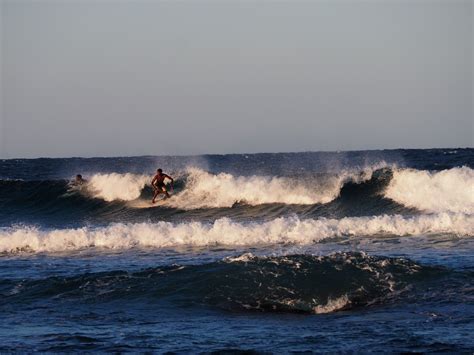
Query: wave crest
x=204 y=190
x=110 y=187
x=226 y=232
x=448 y=190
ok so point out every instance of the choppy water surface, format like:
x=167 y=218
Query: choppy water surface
x=351 y=251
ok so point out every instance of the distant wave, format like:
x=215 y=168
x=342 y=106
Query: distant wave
x=294 y=283
x=227 y=232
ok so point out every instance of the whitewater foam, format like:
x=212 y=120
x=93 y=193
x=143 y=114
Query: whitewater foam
x=333 y=305
x=205 y=190
x=448 y=190
x=223 y=190
x=444 y=191
x=226 y=232
x=110 y=187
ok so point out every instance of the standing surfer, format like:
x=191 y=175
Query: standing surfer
x=158 y=184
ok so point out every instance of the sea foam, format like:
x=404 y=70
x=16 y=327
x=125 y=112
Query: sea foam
x=447 y=190
x=110 y=187
x=206 y=190
x=224 y=231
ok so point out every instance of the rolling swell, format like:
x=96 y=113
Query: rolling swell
x=296 y=283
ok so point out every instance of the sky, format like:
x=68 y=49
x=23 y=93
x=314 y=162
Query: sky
x=124 y=78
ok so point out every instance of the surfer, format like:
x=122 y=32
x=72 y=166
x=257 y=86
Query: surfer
x=158 y=184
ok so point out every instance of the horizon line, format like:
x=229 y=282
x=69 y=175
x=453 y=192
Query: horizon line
x=224 y=154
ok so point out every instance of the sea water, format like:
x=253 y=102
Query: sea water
x=330 y=252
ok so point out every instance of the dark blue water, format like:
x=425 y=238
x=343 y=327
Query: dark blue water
x=325 y=252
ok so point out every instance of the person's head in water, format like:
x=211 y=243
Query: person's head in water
x=79 y=179
x=159 y=171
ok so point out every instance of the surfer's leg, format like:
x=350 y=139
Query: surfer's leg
x=156 y=193
x=162 y=190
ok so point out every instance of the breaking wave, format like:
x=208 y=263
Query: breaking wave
x=443 y=191
x=224 y=190
x=367 y=192
x=448 y=190
x=202 y=189
x=224 y=231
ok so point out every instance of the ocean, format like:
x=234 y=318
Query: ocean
x=363 y=251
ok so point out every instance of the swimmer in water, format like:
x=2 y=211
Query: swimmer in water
x=79 y=180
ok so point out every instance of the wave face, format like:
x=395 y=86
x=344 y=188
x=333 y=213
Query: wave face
x=295 y=283
x=224 y=231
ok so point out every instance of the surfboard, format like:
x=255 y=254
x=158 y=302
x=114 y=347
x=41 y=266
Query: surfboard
x=147 y=203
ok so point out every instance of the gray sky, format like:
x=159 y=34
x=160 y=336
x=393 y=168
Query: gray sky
x=109 y=78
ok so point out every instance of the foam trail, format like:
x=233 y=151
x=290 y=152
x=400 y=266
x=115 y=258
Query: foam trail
x=226 y=232
x=448 y=190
